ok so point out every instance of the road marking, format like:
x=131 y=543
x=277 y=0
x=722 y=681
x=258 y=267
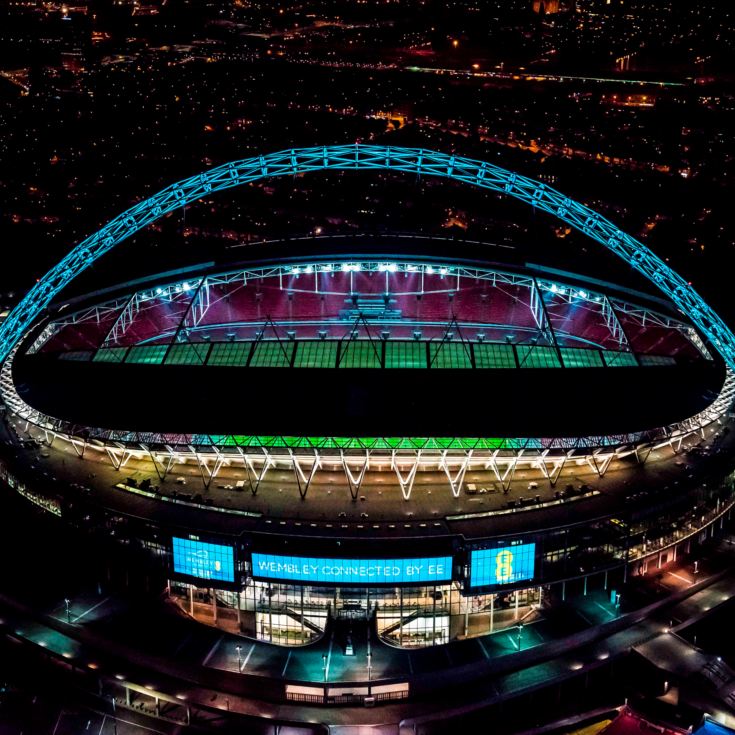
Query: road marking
x=329 y=658
x=86 y=612
x=214 y=647
x=604 y=609
x=104 y=717
x=58 y=720
x=584 y=617
x=482 y=646
x=285 y=666
x=683 y=579
x=247 y=658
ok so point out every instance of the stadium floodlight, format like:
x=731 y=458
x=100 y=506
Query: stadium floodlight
x=354 y=156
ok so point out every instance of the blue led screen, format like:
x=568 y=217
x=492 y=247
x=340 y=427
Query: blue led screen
x=502 y=565
x=352 y=571
x=204 y=560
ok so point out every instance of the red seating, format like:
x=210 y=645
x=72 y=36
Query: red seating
x=414 y=301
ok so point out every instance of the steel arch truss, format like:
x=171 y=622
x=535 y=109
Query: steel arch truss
x=354 y=156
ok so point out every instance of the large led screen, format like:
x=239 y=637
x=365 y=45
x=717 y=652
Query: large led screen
x=204 y=560
x=352 y=571
x=502 y=565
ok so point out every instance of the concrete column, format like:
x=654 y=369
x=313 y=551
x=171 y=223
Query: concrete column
x=492 y=613
x=270 y=612
x=191 y=600
x=214 y=604
x=515 y=612
x=400 y=617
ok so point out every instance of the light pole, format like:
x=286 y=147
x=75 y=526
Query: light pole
x=324 y=666
x=239 y=658
x=369 y=668
x=67 y=601
x=520 y=633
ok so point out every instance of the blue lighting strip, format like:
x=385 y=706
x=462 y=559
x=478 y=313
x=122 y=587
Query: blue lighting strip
x=355 y=156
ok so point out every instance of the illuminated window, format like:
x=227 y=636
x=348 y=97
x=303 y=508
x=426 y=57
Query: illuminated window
x=316 y=354
x=405 y=354
x=229 y=353
x=360 y=354
x=188 y=354
x=619 y=359
x=147 y=354
x=494 y=355
x=657 y=360
x=574 y=357
x=535 y=356
x=272 y=354
x=449 y=355
x=111 y=354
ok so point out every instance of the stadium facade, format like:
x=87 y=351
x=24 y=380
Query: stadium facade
x=438 y=446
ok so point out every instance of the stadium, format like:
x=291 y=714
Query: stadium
x=394 y=443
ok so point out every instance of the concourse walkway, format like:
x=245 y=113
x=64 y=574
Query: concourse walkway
x=165 y=651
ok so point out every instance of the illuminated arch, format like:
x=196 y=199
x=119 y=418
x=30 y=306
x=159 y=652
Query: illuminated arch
x=355 y=156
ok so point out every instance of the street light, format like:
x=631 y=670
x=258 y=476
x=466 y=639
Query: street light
x=520 y=633
x=68 y=611
x=369 y=664
x=239 y=658
x=324 y=666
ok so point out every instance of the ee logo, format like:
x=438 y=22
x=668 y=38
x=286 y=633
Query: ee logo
x=504 y=566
